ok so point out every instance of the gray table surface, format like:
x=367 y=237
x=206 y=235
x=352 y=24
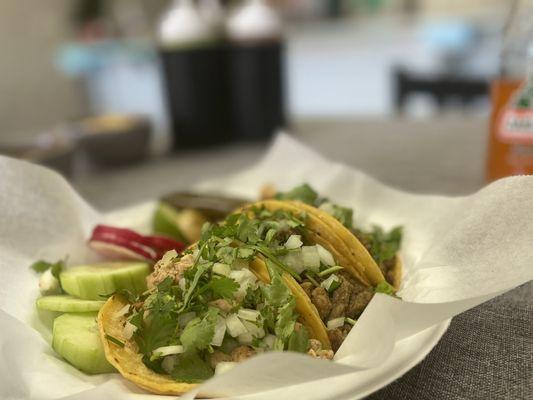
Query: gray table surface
x=488 y=351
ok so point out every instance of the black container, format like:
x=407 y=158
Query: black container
x=256 y=81
x=197 y=95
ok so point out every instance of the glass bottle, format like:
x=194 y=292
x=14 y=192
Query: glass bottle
x=511 y=123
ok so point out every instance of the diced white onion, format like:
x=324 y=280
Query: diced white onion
x=168 y=363
x=294 y=260
x=195 y=252
x=245 y=338
x=182 y=282
x=293 y=242
x=123 y=311
x=224 y=366
x=221 y=269
x=326 y=284
x=129 y=330
x=169 y=350
x=269 y=340
x=248 y=314
x=235 y=326
x=168 y=257
x=220 y=331
x=311 y=259
x=48 y=283
x=246 y=279
x=184 y=319
x=325 y=256
x=335 y=323
x=254 y=330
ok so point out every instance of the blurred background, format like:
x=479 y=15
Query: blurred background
x=92 y=87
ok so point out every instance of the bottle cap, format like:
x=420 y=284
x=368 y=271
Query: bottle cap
x=183 y=26
x=255 y=20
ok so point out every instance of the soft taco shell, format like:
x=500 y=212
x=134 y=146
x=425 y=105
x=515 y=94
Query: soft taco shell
x=127 y=360
x=325 y=230
x=308 y=313
x=363 y=261
x=397 y=274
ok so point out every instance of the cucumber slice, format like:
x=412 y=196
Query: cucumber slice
x=65 y=303
x=166 y=222
x=76 y=339
x=94 y=282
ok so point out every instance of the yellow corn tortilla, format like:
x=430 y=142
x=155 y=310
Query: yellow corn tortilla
x=325 y=230
x=127 y=360
x=397 y=274
x=307 y=310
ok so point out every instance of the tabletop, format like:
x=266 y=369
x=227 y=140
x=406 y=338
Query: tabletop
x=487 y=353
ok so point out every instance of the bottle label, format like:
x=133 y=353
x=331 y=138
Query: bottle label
x=516 y=126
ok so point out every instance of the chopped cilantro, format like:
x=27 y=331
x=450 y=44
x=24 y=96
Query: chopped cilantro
x=43 y=266
x=384 y=287
x=198 y=333
x=221 y=287
x=276 y=293
x=383 y=246
x=299 y=340
x=303 y=193
x=191 y=368
x=343 y=214
x=114 y=340
x=285 y=320
x=200 y=270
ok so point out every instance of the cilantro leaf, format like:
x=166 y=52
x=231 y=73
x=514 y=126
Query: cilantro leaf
x=382 y=246
x=222 y=287
x=276 y=293
x=191 y=368
x=43 y=266
x=285 y=320
x=226 y=254
x=198 y=333
x=384 y=287
x=200 y=270
x=303 y=193
x=299 y=340
x=248 y=230
x=159 y=331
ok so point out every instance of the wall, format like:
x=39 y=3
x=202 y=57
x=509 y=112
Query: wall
x=33 y=93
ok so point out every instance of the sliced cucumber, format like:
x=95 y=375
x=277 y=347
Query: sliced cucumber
x=166 y=222
x=66 y=303
x=76 y=339
x=94 y=282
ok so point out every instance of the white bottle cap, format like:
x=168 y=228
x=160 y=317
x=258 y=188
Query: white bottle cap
x=183 y=25
x=255 y=20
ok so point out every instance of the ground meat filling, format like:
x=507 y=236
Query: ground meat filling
x=173 y=268
x=348 y=300
x=320 y=298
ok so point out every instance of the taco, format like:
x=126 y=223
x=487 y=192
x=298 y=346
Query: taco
x=276 y=275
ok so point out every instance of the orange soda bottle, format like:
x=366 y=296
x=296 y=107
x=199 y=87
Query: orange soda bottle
x=510 y=149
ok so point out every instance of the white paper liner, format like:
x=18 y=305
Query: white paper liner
x=457 y=253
